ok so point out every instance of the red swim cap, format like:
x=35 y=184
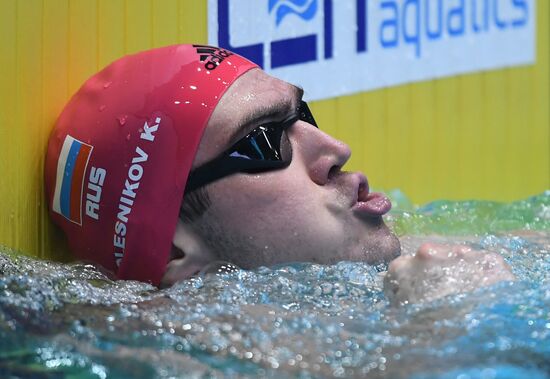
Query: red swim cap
x=121 y=151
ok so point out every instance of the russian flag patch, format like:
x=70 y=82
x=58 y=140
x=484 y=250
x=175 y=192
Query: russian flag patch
x=69 y=184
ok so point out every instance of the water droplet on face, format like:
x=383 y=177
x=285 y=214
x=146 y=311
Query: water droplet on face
x=122 y=119
x=107 y=85
x=128 y=137
x=177 y=102
x=193 y=87
x=102 y=107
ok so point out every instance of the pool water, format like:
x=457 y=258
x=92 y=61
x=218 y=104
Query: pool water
x=292 y=321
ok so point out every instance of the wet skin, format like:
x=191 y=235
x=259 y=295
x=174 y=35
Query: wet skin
x=311 y=211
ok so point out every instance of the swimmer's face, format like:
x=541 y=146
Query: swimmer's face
x=304 y=212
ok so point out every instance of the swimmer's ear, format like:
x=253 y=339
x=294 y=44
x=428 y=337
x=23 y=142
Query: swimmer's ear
x=187 y=257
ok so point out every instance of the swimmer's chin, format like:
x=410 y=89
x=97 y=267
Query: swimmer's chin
x=386 y=250
x=395 y=248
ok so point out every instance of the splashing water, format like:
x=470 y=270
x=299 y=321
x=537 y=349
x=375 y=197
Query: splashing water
x=299 y=320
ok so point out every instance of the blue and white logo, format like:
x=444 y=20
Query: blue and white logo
x=333 y=48
x=286 y=32
x=304 y=9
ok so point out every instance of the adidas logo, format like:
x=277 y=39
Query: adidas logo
x=212 y=55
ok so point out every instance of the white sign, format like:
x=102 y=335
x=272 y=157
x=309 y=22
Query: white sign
x=338 y=47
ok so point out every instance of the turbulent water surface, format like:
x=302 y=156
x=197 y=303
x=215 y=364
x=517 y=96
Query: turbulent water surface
x=300 y=320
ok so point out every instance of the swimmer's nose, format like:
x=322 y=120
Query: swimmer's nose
x=323 y=155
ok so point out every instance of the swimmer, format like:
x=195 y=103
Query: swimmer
x=172 y=159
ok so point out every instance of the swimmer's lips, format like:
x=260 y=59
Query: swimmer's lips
x=373 y=204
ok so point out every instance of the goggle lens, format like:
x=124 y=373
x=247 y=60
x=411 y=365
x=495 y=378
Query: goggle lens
x=264 y=143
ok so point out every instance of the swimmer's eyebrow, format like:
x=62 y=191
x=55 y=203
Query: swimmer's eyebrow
x=272 y=111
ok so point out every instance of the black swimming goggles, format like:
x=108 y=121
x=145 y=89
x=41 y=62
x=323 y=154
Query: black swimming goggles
x=259 y=151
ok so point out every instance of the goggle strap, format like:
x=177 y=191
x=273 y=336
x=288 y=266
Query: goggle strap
x=305 y=114
x=204 y=174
